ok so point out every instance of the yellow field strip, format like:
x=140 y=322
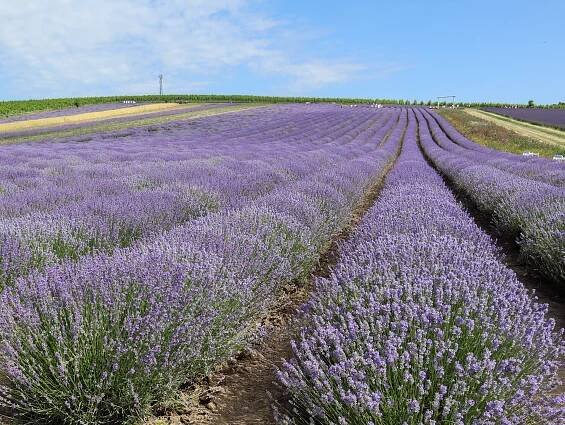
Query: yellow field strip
x=91 y=116
x=140 y=122
x=538 y=127
x=545 y=135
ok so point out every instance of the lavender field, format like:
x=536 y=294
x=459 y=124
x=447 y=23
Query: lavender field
x=135 y=263
x=551 y=117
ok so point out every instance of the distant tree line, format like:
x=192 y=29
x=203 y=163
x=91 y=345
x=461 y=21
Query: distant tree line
x=13 y=107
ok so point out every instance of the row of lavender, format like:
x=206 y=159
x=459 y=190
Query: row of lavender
x=104 y=339
x=63 y=201
x=522 y=207
x=420 y=323
x=540 y=169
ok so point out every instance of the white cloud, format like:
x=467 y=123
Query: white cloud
x=94 y=42
x=311 y=74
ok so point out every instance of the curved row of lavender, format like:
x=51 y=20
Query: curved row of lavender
x=104 y=339
x=531 y=211
x=66 y=200
x=554 y=117
x=420 y=322
x=540 y=169
x=534 y=168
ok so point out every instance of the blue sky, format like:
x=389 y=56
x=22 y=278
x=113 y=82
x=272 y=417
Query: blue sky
x=507 y=51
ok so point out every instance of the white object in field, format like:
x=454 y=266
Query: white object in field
x=530 y=154
x=129 y=101
x=559 y=157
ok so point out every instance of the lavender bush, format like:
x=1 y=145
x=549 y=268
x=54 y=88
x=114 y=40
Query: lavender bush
x=420 y=323
x=540 y=169
x=102 y=339
x=530 y=211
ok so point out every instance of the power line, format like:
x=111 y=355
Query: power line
x=446 y=97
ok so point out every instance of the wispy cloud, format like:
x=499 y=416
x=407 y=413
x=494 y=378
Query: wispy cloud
x=121 y=43
x=310 y=74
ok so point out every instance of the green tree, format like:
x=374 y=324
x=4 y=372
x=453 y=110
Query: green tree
x=530 y=103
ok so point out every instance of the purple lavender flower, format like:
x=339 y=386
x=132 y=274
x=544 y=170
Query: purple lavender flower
x=135 y=265
x=526 y=199
x=444 y=332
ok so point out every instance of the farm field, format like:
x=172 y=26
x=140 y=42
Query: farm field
x=400 y=331
x=542 y=134
x=486 y=132
x=543 y=116
x=69 y=111
x=142 y=255
x=147 y=120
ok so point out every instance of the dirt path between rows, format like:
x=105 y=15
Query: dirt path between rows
x=544 y=135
